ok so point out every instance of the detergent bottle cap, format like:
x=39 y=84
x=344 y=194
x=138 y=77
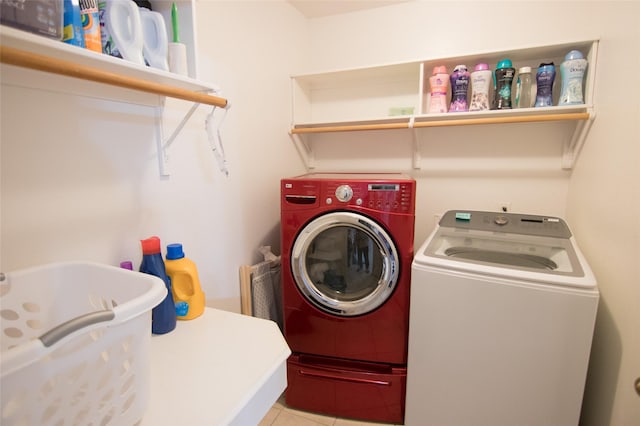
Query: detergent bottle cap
x=574 y=54
x=439 y=70
x=460 y=68
x=481 y=67
x=151 y=245
x=174 y=251
x=505 y=63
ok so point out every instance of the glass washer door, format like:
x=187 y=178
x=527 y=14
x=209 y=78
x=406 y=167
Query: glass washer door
x=345 y=263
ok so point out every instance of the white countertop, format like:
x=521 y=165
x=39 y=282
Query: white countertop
x=221 y=368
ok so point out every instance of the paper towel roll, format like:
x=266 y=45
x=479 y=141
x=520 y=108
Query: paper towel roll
x=178 y=59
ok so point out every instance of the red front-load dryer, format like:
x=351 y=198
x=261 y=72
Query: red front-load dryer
x=347 y=248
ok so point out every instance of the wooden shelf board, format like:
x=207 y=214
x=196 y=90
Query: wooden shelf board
x=529 y=115
x=27 y=50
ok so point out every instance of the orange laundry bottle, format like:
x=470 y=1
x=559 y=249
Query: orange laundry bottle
x=185 y=284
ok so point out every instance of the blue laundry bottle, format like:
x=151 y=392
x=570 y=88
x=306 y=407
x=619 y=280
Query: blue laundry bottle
x=544 y=77
x=72 y=32
x=164 y=315
x=572 y=71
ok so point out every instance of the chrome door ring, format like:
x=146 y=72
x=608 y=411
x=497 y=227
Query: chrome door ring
x=389 y=255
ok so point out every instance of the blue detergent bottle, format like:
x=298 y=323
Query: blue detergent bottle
x=72 y=31
x=164 y=315
x=545 y=77
x=572 y=71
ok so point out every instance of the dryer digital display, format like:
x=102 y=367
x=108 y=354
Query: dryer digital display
x=384 y=187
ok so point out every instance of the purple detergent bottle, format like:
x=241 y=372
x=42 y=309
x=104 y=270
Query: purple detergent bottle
x=544 y=78
x=459 y=89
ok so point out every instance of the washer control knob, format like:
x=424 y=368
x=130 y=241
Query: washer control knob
x=501 y=220
x=359 y=201
x=344 y=193
x=329 y=200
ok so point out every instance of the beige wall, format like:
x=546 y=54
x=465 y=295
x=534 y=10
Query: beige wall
x=600 y=198
x=79 y=176
x=604 y=208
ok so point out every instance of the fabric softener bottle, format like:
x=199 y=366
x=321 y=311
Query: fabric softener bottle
x=459 y=88
x=185 y=284
x=503 y=80
x=524 y=88
x=572 y=71
x=544 y=78
x=439 y=83
x=480 y=81
x=163 y=316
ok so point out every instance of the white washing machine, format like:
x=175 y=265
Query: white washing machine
x=502 y=313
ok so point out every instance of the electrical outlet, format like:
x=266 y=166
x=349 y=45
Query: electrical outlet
x=504 y=206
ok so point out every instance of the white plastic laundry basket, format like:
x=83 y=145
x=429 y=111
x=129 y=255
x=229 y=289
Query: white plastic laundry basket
x=75 y=344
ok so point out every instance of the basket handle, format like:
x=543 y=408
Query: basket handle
x=61 y=331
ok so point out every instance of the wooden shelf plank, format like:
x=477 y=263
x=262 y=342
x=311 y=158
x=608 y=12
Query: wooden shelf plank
x=442 y=120
x=349 y=128
x=26 y=50
x=11 y=56
x=503 y=120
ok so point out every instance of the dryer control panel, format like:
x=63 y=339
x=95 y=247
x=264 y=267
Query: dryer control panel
x=382 y=192
x=512 y=223
x=391 y=197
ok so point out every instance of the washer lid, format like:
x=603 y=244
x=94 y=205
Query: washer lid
x=512 y=223
x=542 y=252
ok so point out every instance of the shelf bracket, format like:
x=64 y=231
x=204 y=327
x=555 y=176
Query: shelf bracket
x=178 y=129
x=162 y=145
x=572 y=147
x=417 y=157
x=163 y=159
x=304 y=150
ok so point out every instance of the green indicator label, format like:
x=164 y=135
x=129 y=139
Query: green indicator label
x=463 y=216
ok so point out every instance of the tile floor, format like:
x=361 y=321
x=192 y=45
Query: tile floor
x=281 y=415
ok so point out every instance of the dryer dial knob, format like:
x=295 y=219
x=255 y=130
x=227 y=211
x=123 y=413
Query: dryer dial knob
x=344 y=193
x=501 y=220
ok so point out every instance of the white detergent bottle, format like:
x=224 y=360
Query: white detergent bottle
x=524 y=89
x=480 y=83
x=122 y=19
x=155 y=43
x=572 y=71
